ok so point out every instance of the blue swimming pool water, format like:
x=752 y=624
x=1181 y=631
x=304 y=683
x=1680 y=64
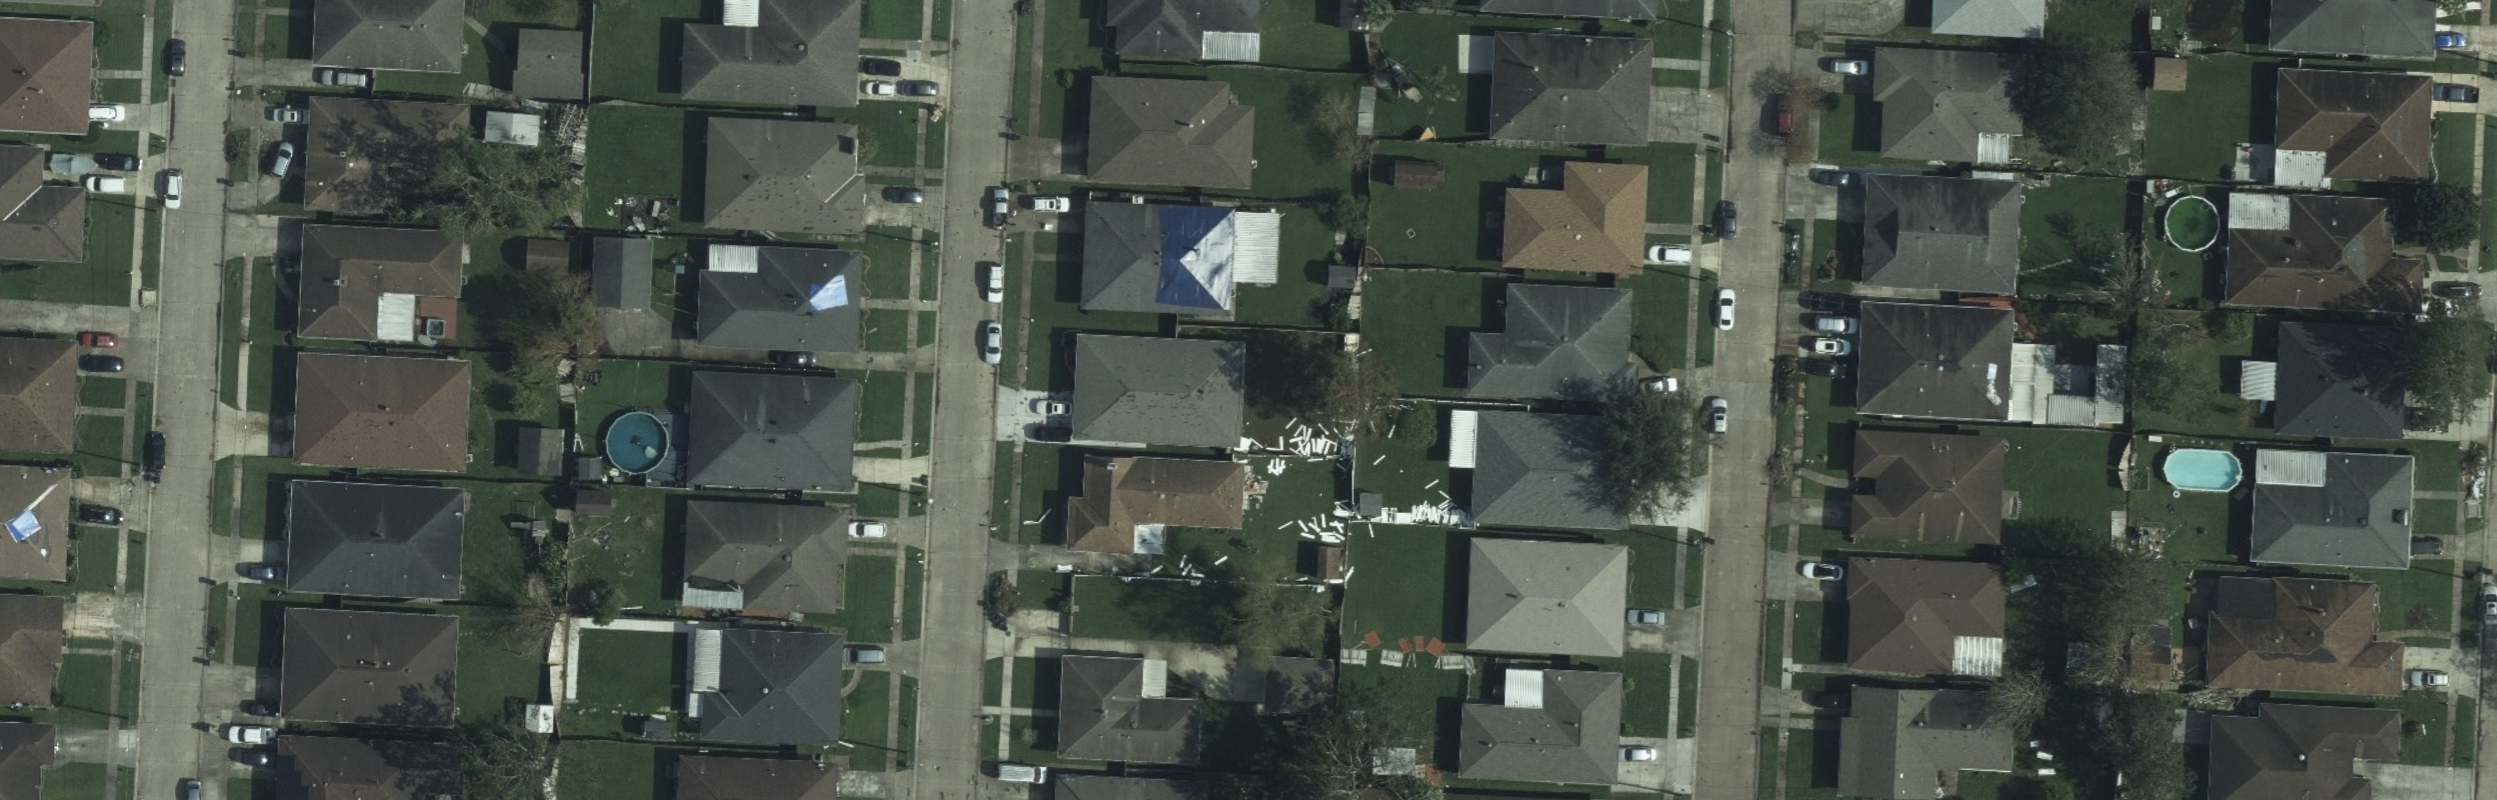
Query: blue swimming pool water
x=636 y=442
x=2197 y=470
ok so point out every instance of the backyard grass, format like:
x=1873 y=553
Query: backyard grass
x=1408 y=582
x=1446 y=227
x=1144 y=610
x=625 y=385
x=1423 y=330
x=1305 y=35
x=608 y=770
x=492 y=673
x=630 y=42
x=641 y=150
x=2053 y=216
x=2194 y=134
x=636 y=672
x=2061 y=474
x=1300 y=275
x=2211 y=363
x=636 y=549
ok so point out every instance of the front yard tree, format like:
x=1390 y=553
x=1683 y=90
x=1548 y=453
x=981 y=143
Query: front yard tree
x=2080 y=96
x=1647 y=451
x=2444 y=361
x=2437 y=216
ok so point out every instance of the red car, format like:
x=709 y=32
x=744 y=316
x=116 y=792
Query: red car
x=98 y=339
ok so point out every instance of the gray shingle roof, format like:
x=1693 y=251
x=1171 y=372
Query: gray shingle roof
x=786 y=559
x=551 y=65
x=418 y=35
x=1103 y=714
x=370 y=667
x=776 y=687
x=1950 y=234
x=1571 y=89
x=1169 y=133
x=1947 y=362
x=1528 y=473
x=620 y=268
x=2382 y=28
x=1104 y=787
x=2011 y=19
x=1546 y=597
x=800 y=53
x=373 y=539
x=719 y=778
x=1174 y=30
x=2349 y=521
x=1934 y=103
x=784 y=175
x=1123 y=269
x=2300 y=751
x=1631 y=10
x=1553 y=337
x=1927 y=487
x=1179 y=392
x=1573 y=738
x=1900 y=743
x=768 y=309
x=2338 y=381
x=772 y=431
x=26 y=750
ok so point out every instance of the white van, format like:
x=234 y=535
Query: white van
x=1668 y=254
x=108 y=184
x=173 y=188
x=1022 y=773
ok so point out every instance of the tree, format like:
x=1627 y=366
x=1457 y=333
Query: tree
x=2016 y=701
x=465 y=184
x=1645 y=449
x=599 y=600
x=1327 y=753
x=2156 y=373
x=523 y=623
x=1360 y=391
x=2080 y=96
x=2134 y=741
x=499 y=760
x=2444 y=361
x=2436 y=216
x=1269 y=616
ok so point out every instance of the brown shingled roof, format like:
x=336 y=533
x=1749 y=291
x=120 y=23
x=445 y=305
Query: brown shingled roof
x=30 y=648
x=1596 y=221
x=2294 y=751
x=718 y=778
x=369 y=667
x=2300 y=635
x=2370 y=125
x=38 y=395
x=1928 y=487
x=1911 y=616
x=39 y=221
x=334 y=768
x=347 y=269
x=1170 y=133
x=47 y=74
x=359 y=151
x=2334 y=251
x=26 y=750
x=1121 y=493
x=381 y=412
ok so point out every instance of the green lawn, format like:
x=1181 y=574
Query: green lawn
x=882 y=402
x=2194 y=134
x=1422 y=332
x=86 y=691
x=2427 y=585
x=635 y=672
x=102 y=279
x=888 y=132
x=1646 y=694
x=867 y=605
x=635 y=549
x=639 y=150
x=630 y=45
x=1408 y=582
x=1300 y=275
x=2457 y=137
x=2212 y=359
x=492 y=673
x=101 y=392
x=891 y=19
x=1146 y=610
x=101 y=446
x=867 y=718
x=625 y=385
x=1671 y=170
x=2052 y=214
x=1660 y=333
x=887 y=249
x=1305 y=35
x=1446 y=227
x=608 y=770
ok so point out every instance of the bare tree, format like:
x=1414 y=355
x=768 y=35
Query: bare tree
x=2016 y=700
x=500 y=760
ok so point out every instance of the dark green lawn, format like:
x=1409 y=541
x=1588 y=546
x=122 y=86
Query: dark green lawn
x=1146 y=610
x=2213 y=359
x=891 y=19
x=608 y=770
x=1300 y=275
x=2050 y=215
x=640 y=150
x=1408 y=582
x=2194 y=133
x=635 y=47
x=2457 y=137
x=1447 y=226
x=493 y=673
x=867 y=605
x=867 y=719
x=1422 y=331
x=632 y=671
x=2427 y=586
x=888 y=132
x=1661 y=330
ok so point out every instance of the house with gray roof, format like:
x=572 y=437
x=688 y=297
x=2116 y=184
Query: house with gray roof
x=2377 y=28
x=1945 y=105
x=1549 y=726
x=783 y=175
x=771 y=559
x=1934 y=361
x=374 y=539
x=1154 y=258
x=415 y=35
x=1145 y=390
x=38 y=395
x=760 y=430
x=1163 y=132
x=620 y=272
x=1554 y=339
x=1623 y=10
x=552 y=65
x=27 y=750
x=1944 y=234
x=1543 y=597
x=1114 y=708
x=2319 y=509
x=1570 y=89
x=1912 y=486
x=774 y=52
x=2005 y=19
x=2338 y=381
x=1529 y=472
x=1911 y=744
x=1104 y=787
x=774 y=686
x=1185 y=30
x=781 y=298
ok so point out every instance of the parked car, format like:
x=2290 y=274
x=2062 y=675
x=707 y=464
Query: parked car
x=1783 y=121
x=1662 y=384
x=2455 y=93
x=355 y=78
x=2458 y=289
x=2451 y=40
x=1645 y=616
x=905 y=195
x=264 y=571
x=1822 y=571
x=2488 y=605
x=98 y=339
x=1835 y=324
x=2426 y=546
x=1832 y=177
x=259 y=708
x=1827 y=302
x=992 y=341
x=251 y=757
x=1831 y=346
x=2426 y=679
x=108 y=184
x=1053 y=204
x=1052 y=433
x=1637 y=752
x=175 y=50
x=250 y=734
x=286 y=115
x=1725 y=219
x=992 y=282
x=1717 y=409
x=100 y=363
x=997 y=206
x=1825 y=368
x=879 y=66
x=866 y=654
x=1668 y=254
x=917 y=88
x=1725 y=309
x=1052 y=408
x=186 y=789
x=867 y=529
x=283 y=161
x=100 y=515
x=107 y=112
x=1022 y=773
x=152 y=456
x=173 y=188
x=1848 y=66
x=876 y=88
x=118 y=162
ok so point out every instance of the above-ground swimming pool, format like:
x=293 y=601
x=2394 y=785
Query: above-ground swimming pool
x=2196 y=470
x=636 y=441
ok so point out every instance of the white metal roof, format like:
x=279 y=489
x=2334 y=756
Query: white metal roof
x=1462 y=426
x=729 y=599
x=1522 y=688
x=1258 y=239
x=2258 y=212
x=1981 y=656
x=2289 y=467
x=394 y=317
x=2255 y=380
x=732 y=258
x=1993 y=148
x=2302 y=168
x=1230 y=46
x=741 y=13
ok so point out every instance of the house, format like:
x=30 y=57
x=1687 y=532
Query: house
x=621 y=270
x=1595 y=222
x=2316 y=251
x=1143 y=390
x=773 y=559
x=1920 y=617
x=1185 y=30
x=1945 y=105
x=1943 y=362
x=551 y=65
x=725 y=778
x=1927 y=487
x=1169 y=259
x=1162 y=132
x=1569 y=89
x=1639 y=11
x=369 y=667
x=31 y=637
x=754 y=430
x=1546 y=597
x=2297 y=635
x=377 y=284
x=27 y=749
x=1298 y=685
x=338 y=768
x=2369 y=125
x=1943 y=234
x=1127 y=502
x=2288 y=750
x=50 y=79
x=2338 y=381
x=1550 y=726
x=1554 y=340
x=783 y=175
x=374 y=539
x=779 y=687
x=38 y=395
x=1104 y=787
x=1911 y=744
x=1112 y=708
x=2373 y=28
x=381 y=412
x=46 y=222
x=34 y=515
x=1527 y=472
x=415 y=35
x=355 y=152
x=774 y=52
x=2007 y=19
x=2318 y=509
x=781 y=298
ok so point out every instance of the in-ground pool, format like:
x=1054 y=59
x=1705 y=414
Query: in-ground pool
x=636 y=441
x=2197 y=470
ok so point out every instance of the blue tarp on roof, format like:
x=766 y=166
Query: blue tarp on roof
x=1197 y=247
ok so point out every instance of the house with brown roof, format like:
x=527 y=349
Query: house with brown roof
x=34 y=512
x=1921 y=617
x=1162 y=132
x=725 y=778
x=27 y=749
x=47 y=74
x=360 y=154
x=1934 y=361
x=1596 y=221
x=774 y=52
x=381 y=412
x=369 y=667
x=45 y=222
x=414 y=35
x=1128 y=502
x=373 y=284
x=2287 y=751
x=1912 y=744
x=771 y=559
x=1927 y=487
x=783 y=175
x=1571 y=89
x=2316 y=251
x=1945 y=105
x=339 y=768
x=1114 y=708
x=30 y=648
x=38 y=395
x=2297 y=635
x=2370 y=125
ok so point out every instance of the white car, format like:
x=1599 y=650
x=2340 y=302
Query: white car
x=876 y=88
x=286 y=115
x=1834 y=324
x=992 y=341
x=1849 y=66
x=1637 y=752
x=107 y=112
x=1668 y=254
x=1717 y=408
x=108 y=184
x=1831 y=346
x=1822 y=571
x=173 y=188
x=2488 y=605
x=1022 y=773
x=284 y=160
x=250 y=734
x=1662 y=384
x=1725 y=309
x=1053 y=205
x=867 y=529
x=992 y=282
x=1644 y=616
x=2426 y=679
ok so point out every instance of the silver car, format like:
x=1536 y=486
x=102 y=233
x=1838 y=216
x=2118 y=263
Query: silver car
x=992 y=342
x=1717 y=408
